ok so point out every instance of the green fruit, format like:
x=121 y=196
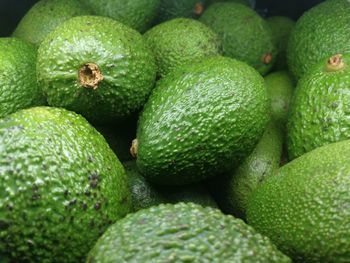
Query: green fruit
x=138 y=14
x=200 y=121
x=320 y=109
x=243 y=2
x=18 y=85
x=234 y=190
x=304 y=208
x=181 y=41
x=170 y=9
x=183 y=233
x=60 y=186
x=320 y=33
x=280 y=88
x=245 y=35
x=281 y=27
x=97 y=67
x=45 y=16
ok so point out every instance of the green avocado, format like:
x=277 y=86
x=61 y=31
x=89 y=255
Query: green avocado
x=320 y=109
x=181 y=41
x=137 y=14
x=201 y=120
x=321 y=32
x=243 y=2
x=18 y=84
x=61 y=186
x=183 y=233
x=245 y=35
x=304 y=209
x=45 y=16
x=97 y=67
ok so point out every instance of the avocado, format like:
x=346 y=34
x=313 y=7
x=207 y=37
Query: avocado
x=181 y=41
x=137 y=14
x=321 y=32
x=233 y=190
x=245 y=35
x=170 y=9
x=243 y=2
x=18 y=84
x=45 y=16
x=304 y=208
x=60 y=186
x=97 y=67
x=280 y=87
x=281 y=27
x=319 y=112
x=182 y=233
x=201 y=120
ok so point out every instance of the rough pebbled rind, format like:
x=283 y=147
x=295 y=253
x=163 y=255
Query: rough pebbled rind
x=170 y=9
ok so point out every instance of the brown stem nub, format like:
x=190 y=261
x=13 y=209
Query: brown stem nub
x=90 y=76
x=133 y=148
x=198 y=9
x=335 y=63
x=267 y=58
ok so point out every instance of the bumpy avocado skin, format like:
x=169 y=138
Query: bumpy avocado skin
x=245 y=35
x=320 y=109
x=170 y=9
x=304 y=208
x=60 y=186
x=319 y=33
x=183 y=233
x=181 y=41
x=45 y=16
x=18 y=85
x=123 y=57
x=138 y=14
x=200 y=121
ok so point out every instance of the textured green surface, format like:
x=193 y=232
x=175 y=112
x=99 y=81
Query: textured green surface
x=320 y=109
x=280 y=87
x=170 y=9
x=321 y=32
x=60 y=186
x=245 y=35
x=181 y=41
x=45 y=16
x=304 y=209
x=234 y=190
x=281 y=27
x=120 y=52
x=244 y=2
x=18 y=86
x=201 y=120
x=138 y=14
x=183 y=233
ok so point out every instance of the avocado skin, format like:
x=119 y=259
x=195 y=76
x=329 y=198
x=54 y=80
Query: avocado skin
x=45 y=16
x=245 y=35
x=319 y=33
x=60 y=184
x=320 y=109
x=137 y=14
x=201 y=120
x=18 y=85
x=182 y=233
x=170 y=9
x=303 y=209
x=125 y=60
x=181 y=41
x=243 y=2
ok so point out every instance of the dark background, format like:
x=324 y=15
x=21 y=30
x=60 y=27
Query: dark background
x=11 y=11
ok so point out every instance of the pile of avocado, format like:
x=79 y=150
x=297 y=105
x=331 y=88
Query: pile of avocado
x=175 y=131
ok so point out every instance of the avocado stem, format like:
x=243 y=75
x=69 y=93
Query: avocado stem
x=198 y=9
x=335 y=63
x=90 y=75
x=267 y=58
x=134 y=148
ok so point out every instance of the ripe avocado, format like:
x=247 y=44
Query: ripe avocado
x=170 y=9
x=245 y=35
x=45 y=16
x=18 y=85
x=181 y=41
x=304 y=209
x=320 y=33
x=137 y=14
x=320 y=109
x=183 y=233
x=200 y=121
x=60 y=186
x=97 y=67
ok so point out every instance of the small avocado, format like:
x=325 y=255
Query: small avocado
x=183 y=233
x=304 y=208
